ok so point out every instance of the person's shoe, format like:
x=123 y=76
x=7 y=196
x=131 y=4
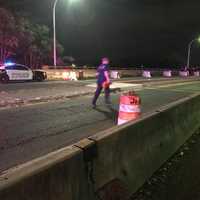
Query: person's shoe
x=94 y=105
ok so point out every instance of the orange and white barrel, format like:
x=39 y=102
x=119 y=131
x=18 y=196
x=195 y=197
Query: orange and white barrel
x=129 y=108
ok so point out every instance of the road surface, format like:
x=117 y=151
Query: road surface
x=18 y=94
x=31 y=131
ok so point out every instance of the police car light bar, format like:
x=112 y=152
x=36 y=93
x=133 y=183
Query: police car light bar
x=9 y=63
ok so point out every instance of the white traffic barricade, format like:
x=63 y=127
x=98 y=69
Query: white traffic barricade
x=167 y=73
x=69 y=75
x=114 y=75
x=65 y=75
x=196 y=73
x=146 y=74
x=73 y=76
x=183 y=73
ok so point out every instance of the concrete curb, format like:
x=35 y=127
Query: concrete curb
x=22 y=102
x=57 y=175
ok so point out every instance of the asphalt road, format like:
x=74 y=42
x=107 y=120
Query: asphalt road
x=31 y=131
x=19 y=94
x=24 y=92
x=25 y=86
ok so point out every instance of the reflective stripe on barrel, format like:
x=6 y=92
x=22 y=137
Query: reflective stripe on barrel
x=128 y=116
x=129 y=108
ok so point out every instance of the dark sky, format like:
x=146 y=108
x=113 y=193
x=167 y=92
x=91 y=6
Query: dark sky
x=130 y=32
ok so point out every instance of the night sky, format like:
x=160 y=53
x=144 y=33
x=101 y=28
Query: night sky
x=130 y=32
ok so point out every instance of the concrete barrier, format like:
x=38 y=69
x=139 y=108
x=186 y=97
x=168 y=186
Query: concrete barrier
x=60 y=175
x=133 y=152
x=57 y=74
x=130 y=153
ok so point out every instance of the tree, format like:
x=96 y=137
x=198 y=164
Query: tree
x=8 y=35
x=28 y=43
x=36 y=43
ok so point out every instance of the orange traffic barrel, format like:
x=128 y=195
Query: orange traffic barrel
x=129 y=108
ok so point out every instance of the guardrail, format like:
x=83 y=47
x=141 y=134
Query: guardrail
x=130 y=153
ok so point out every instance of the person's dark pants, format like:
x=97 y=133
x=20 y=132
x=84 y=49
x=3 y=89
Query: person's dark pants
x=98 y=92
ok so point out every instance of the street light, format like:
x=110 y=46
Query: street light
x=54 y=31
x=189 y=50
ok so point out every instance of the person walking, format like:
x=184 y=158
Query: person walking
x=103 y=82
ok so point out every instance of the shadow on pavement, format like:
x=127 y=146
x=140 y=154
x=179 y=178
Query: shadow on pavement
x=110 y=113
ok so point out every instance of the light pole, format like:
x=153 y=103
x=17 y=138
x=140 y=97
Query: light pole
x=189 y=50
x=54 y=34
x=54 y=31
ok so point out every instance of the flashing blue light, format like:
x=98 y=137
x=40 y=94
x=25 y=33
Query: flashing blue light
x=9 y=63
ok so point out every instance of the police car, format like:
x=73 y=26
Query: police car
x=18 y=72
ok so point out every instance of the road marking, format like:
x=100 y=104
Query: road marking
x=170 y=85
x=120 y=85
